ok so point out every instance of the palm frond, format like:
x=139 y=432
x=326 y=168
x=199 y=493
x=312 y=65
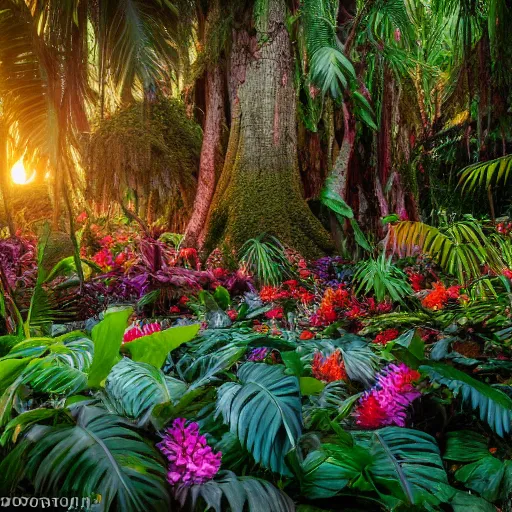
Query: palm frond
x=484 y=174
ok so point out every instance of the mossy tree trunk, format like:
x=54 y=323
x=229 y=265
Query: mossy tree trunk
x=260 y=187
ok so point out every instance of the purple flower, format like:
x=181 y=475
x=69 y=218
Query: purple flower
x=191 y=460
x=257 y=354
x=387 y=402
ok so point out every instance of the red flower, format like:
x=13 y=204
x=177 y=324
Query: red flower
x=269 y=293
x=371 y=414
x=121 y=259
x=440 y=295
x=82 y=217
x=507 y=273
x=329 y=369
x=417 y=281
x=233 y=314
x=306 y=335
x=107 y=241
x=292 y=284
x=275 y=313
x=103 y=258
x=386 y=336
x=220 y=272
x=183 y=300
x=175 y=309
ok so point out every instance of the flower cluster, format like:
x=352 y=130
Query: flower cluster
x=329 y=369
x=288 y=290
x=387 y=402
x=333 y=301
x=386 y=336
x=504 y=228
x=440 y=295
x=139 y=331
x=191 y=460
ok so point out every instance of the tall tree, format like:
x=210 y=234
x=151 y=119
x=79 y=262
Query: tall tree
x=260 y=188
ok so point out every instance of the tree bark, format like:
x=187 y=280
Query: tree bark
x=260 y=189
x=209 y=162
x=5 y=182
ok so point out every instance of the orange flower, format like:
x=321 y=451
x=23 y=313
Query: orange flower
x=306 y=335
x=329 y=369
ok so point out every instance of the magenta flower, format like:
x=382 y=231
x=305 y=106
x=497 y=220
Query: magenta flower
x=138 y=331
x=387 y=402
x=191 y=460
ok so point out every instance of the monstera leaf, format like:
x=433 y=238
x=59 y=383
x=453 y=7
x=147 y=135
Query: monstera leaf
x=99 y=455
x=264 y=412
x=401 y=466
x=241 y=494
x=134 y=389
x=495 y=407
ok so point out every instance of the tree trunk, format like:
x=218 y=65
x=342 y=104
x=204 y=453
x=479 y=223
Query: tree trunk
x=260 y=189
x=5 y=182
x=209 y=162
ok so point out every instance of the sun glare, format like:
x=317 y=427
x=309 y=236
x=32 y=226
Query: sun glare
x=19 y=173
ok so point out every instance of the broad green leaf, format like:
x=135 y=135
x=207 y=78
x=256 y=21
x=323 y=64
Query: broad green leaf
x=10 y=369
x=465 y=446
x=107 y=337
x=241 y=493
x=310 y=386
x=222 y=297
x=264 y=412
x=153 y=349
x=102 y=455
x=483 y=476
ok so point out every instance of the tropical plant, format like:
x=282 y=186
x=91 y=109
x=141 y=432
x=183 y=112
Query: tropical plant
x=460 y=248
x=264 y=256
x=382 y=278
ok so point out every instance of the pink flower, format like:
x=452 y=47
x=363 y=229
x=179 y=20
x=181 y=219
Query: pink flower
x=140 y=331
x=387 y=402
x=191 y=460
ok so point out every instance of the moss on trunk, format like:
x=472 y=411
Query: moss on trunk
x=260 y=188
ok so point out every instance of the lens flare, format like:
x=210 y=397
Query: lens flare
x=19 y=173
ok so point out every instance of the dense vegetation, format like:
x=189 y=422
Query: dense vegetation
x=256 y=255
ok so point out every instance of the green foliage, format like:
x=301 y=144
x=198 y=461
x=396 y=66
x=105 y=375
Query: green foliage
x=133 y=389
x=98 y=455
x=401 y=466
x=154 y=348
x=460 y=248
x=264 y=412
x=107 y=337
x=264 y=256
x=485 y=174
x=241 y=493
x=382 y=278
x=495 y=406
